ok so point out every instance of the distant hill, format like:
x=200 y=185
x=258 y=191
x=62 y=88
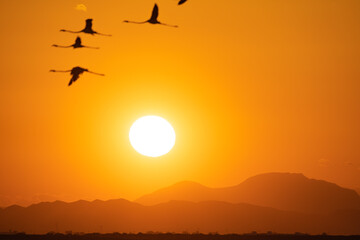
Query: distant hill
x=175 y=216
x=284 y=191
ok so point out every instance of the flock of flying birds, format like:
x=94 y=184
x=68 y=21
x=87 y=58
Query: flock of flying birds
x=76 y=71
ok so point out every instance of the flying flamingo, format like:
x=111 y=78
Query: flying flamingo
x=77 y=44
x=88 y=29
x=153 y=18
x=75 y=73
x=181 y=2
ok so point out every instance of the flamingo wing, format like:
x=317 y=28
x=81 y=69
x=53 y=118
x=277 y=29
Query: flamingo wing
x=78 y=41
x=181 y=2
x=88 y=23
x=155 y=13
x=73 y=79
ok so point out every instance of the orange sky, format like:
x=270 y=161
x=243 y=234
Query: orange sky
x=250 y=86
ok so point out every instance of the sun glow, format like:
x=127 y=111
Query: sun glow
x=152 y=136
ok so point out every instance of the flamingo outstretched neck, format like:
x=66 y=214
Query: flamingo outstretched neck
x=127 y=21
x=64 y=30
x=54 y=45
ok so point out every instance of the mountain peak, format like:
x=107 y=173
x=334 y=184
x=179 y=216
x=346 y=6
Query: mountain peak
x=278 y=177
x=281 y=174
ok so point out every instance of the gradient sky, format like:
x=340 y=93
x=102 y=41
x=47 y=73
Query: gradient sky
x=250 y=86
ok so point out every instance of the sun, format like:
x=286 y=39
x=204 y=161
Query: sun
x=152 y=136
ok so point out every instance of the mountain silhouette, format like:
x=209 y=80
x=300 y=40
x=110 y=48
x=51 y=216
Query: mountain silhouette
x=283 y=191
x=174 y=216
x=278 y=202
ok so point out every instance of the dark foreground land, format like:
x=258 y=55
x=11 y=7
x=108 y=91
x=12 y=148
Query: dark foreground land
x=171 y=236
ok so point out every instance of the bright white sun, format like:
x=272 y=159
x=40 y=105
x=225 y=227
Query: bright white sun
x=152 y=136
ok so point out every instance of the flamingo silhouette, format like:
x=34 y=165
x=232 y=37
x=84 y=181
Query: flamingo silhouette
x=75 y=73
x=181 y=2
x=88 y=29
x=77 y=44
x=153 y=19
